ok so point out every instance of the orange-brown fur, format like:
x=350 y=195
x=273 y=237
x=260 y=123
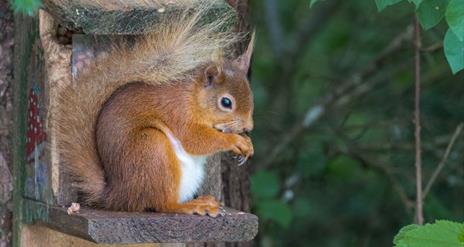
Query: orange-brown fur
x=141 y=168
x=111 y=125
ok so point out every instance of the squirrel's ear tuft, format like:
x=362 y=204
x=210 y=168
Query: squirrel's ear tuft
x=212 y=74
x=243 y=61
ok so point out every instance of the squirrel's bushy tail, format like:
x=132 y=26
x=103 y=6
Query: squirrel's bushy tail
x=179 y=43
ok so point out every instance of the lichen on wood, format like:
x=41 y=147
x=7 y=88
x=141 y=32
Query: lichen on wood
x=121 y=17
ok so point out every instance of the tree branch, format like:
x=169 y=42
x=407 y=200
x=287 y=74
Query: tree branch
x=293 y=51
x=274 y=27
x=417 y=126
x=311 y=26
x=356 y=81
x=442 y=163
x=356 y=153
x=433 y=47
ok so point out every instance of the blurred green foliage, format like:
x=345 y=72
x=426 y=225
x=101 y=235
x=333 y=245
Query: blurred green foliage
x=28 y=7
x=348 y=179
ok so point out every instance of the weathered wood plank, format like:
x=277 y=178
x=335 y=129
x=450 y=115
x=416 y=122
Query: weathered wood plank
x=57 y=59
x=107 y=17
x=24 y=36
x=109 y=227
x=31 y=164
x=40 y=236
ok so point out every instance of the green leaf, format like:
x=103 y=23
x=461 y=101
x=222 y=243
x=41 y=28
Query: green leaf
x=343 y=168
x=416 y=2
x=431 y=12
x=454 y=51
x=382 y=4
x=403 y=234
x=275 y=211
x=264 y=184
x=312 y=2
x=441 y=233
x=455 y=17
x=28 y=7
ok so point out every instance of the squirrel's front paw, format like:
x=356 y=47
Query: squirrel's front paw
x=242 y=145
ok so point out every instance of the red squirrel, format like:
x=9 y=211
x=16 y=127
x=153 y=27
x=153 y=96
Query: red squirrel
x=135 y=128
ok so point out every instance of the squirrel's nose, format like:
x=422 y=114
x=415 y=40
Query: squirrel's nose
x=248 y=127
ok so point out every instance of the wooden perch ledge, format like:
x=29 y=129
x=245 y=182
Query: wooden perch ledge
x=110 y=227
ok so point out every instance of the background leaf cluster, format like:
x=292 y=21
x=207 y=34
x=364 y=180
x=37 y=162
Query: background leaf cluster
x=430 y=13
x=348 y=179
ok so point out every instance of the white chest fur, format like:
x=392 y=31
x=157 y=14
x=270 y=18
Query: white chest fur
x=192 y=170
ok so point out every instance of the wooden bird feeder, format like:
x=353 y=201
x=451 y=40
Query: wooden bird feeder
x=46 y=59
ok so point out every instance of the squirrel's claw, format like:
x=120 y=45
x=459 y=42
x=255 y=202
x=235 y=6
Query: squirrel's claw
x=241 y=159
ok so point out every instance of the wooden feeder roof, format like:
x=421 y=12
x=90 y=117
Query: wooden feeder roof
x=118 y=16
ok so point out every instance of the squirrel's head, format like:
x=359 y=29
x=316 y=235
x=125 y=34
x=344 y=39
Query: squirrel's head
x=224 y=95
x=225 y=99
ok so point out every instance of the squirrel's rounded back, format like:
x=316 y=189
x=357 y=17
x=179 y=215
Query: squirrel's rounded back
x=179 y=44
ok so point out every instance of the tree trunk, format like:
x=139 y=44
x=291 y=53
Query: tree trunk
x=234 y=178
x=6 y=72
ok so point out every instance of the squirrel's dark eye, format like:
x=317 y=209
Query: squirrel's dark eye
x=226 y=103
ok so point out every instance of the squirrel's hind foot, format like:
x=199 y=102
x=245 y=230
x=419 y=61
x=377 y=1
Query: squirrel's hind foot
x=203 y=205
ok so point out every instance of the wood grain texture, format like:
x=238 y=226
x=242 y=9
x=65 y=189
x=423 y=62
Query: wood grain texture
x=33 y=104
x=25 y=35
x=40 y=236
x=213 y=181
x=57 y=59
x=110 y=227
x=134 y=18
